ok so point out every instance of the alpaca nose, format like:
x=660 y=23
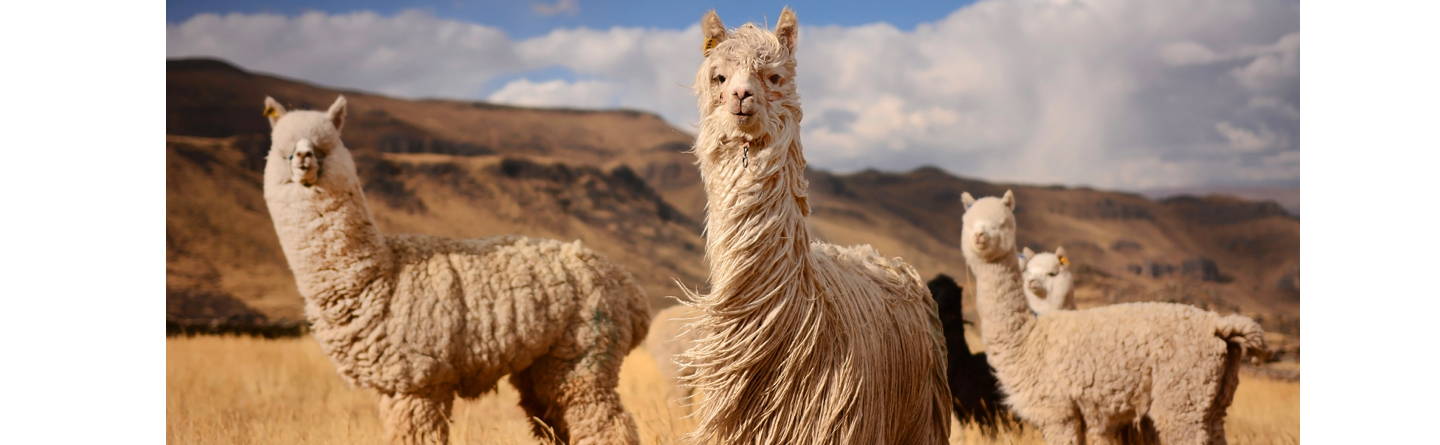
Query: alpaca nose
x=981 y=238
x=741 y=92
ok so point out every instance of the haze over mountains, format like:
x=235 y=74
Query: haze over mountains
x=622 y=182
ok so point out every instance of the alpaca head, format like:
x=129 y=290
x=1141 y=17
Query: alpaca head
x=746 y=84
x=988 y=230
x=1047 y=278
x=305 y=147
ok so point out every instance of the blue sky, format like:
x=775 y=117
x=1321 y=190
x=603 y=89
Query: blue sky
x=1120 y=94
x=521 y=19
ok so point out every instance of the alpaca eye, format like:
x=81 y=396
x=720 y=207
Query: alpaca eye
x=719 y=78
x=1054 y=273
x=774 y=78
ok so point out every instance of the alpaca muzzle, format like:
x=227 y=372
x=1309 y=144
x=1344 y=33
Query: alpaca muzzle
x=982 y=240
x=305 y=164
x=1036 y=288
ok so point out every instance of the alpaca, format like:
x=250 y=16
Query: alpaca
x=1049 y=285
x=795 y=342
x=422 y=319
x=973 y=388
x=1095 y=371
x=667 y=339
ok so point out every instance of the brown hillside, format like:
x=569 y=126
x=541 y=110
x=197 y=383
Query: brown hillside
x=622 y=182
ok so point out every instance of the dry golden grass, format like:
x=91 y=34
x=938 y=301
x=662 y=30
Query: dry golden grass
x=240 y=390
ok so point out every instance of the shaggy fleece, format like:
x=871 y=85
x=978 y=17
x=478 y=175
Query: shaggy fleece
x=797 y=342
x=422 y=319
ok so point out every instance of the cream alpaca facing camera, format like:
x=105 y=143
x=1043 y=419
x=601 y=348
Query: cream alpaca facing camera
x=1049 y=285
x=422 y=319
x=1102 y=368
x=796 y=342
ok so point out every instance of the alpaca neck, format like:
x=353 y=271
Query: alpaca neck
x=755 y=235
x=1005 y=319
x=330 y=240
x=957 y=345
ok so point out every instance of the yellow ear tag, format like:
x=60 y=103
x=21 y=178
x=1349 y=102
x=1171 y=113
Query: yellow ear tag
x=1064 y=261
x=270 y=112
x=710 y=43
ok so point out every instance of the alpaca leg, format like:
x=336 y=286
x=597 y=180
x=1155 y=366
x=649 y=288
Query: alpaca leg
x=577 y=399
x=1099 y=436
x=1065 y=432
x=417 y=418
x=1190 y=433
x=1181 y=424
x=534 y=407
x=1224 y=395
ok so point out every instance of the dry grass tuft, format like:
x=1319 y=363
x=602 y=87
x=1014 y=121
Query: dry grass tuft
x=242 y=390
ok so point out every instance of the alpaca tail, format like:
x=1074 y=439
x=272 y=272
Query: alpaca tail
x=1243 y=332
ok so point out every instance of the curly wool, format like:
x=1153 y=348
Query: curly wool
x=421 y=319
x=797 y=342
x=1101 y=370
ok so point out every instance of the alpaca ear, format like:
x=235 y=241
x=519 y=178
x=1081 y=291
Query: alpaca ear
x=273 y=110
x=1009 y=199
x=1025 y=255
x=967 y=200
x=337 y=112
x=787 y=29
x=713 y=32
x=1060 y=255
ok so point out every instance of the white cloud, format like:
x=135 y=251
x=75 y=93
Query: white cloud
x=1110 y=93
x=1247 y=140
x=410 y=54
x=556 y=93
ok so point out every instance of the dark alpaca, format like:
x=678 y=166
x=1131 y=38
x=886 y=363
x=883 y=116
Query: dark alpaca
x=973 y=387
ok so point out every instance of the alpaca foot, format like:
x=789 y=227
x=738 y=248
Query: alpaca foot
x=417 y=419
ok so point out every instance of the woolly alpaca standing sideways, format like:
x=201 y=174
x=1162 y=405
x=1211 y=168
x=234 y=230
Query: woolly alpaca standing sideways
x=1049 y=285
x=422 y=319
x=1098 y=370
x=796 y=343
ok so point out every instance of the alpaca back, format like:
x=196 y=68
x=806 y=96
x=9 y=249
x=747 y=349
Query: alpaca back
x=896 y=337
x=1135 y=352
x=468 y=312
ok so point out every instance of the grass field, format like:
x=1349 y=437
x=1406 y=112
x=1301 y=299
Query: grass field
x=242 y=390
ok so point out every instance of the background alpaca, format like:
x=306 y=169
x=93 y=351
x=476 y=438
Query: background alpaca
x=796 y=343
x=1100 y=369
x=1049 y=285
x=973 y=388
x=422 y=319
x=666 y=341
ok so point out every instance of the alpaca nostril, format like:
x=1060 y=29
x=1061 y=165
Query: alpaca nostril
x=742 y=93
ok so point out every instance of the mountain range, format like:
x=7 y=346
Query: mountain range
x=623 y=182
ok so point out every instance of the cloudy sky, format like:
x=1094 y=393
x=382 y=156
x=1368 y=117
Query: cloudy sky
x=1122 y=94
